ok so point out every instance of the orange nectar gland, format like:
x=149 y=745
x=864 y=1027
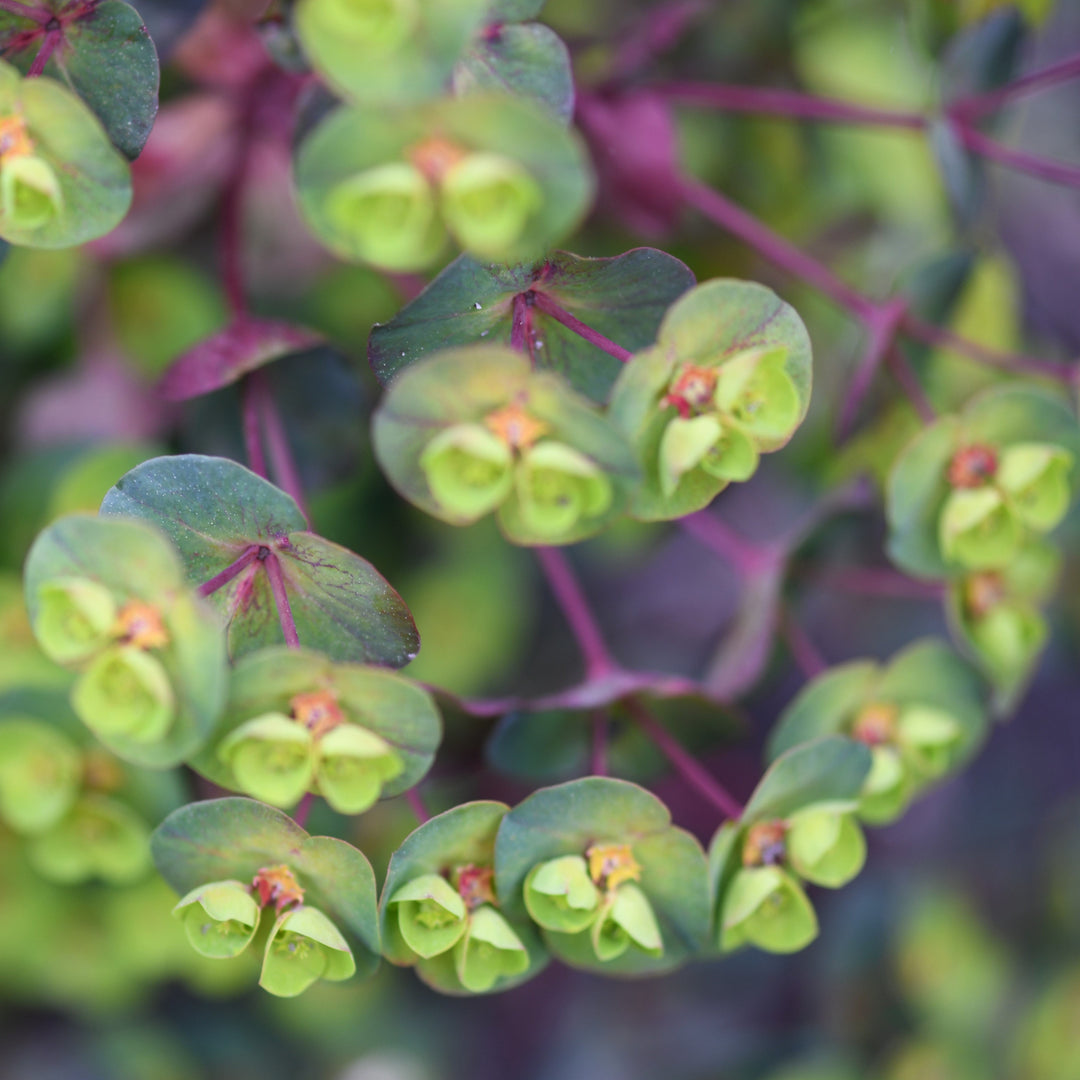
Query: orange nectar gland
x=14 y=140
x=764 y=844
x=982 y=593
x=973 y=466
x=691 y=389
x=875 y=724
x=102 y=772
x=612 y=864
x=141 y=625
x=515 y=426
x=276 y=885
x=475 y=885
x=435 y=157
x=318 y=711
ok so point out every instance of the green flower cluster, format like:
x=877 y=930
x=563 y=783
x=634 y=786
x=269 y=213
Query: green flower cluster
x=63 y=801
x=299 y=944
x=764 y=902
x=457 y=916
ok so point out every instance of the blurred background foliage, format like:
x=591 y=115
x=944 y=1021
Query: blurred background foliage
x=956 y=954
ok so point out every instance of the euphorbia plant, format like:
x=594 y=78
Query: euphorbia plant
x=197 y=618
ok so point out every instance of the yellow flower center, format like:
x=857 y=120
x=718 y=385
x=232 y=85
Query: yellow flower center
x=515 y=426
x=15 y=141
x=318 y=711
x=612 y=864
x=435 y=156
x=141 y=625
x=277 y=885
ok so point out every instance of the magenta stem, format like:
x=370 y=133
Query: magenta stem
x=249 y=409
x=901 y=370
x=728 y=544
x=36 y=14
x=281 y=599
x=977 y=105
x=49 y=45
x=286 y=473
x=803 y=650
x=940 y=337
x=881 y=581
x=575 y=607
x=571 y=322
x=723 y=212
x=787 y=103
x=300 y=815
x=1055 y=172
x=683 y=762
x=519 y=327
x=416 y=803
x=598 y=758
x=881 y=329
x=218 y=581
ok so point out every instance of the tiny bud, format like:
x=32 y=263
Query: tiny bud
x=692 y=389
x=431 y=914
x=972 y=466
x=75 y=618
x=487 y=201
x=271 y=757
x=475 y=884
x=488 y=951
x=469 y=470
x=764 y=844
x=277 y=885
x=304 y=946
x=125 y=694
x=558 y=487
x=220 y=919
x=982 y=593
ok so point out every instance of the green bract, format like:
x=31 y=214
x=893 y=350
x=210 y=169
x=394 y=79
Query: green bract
x=431 y=915
x=40 y=775
x=470 y=430
x=968 y=492
x=109 y=596
x=304 y=946
x=508 y=180
x=61 y=181
x=488 y=951
x=922 y=716
x=387 y=51
x=728 y=379
x=220 y=919
x=75 y=619
x=614 y=886
x=296 y=722
x=798 y=826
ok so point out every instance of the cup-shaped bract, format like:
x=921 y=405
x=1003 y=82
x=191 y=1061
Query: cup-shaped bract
x=40 y=775
x=220 y=918
x=625 y=920
x=1035 y=479
x=560 y=895
x=489 y=950
x=61 y=180
x=353 y=765
x=509 y=180
x=767 y=907
x=125 y=692
x=75 y=619
x=571 y=472
x=387 y=215
x=304 y=946
x=387 y=51
x=100 y=837
x=727 y=380
x=926 y=736
x=487 y=202
x=978 y=529
x=431 y=914
x=825 y=846
x=560 y=490
x=469 y=470
x=271 y=757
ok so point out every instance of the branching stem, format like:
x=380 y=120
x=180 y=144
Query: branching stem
x=571 y=322
x=49 y=44
x=219 y=581
x=281 y=598
x=38 y=15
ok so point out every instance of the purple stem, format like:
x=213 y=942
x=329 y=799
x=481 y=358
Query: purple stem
x=789 y=103
x=300 y=815
x=942 y=338
x=593 y=337
x=803 y=650
x=901 y=370
x=285 y=470
x=575 y=607
x=683 y=762
x=598 y=760
x=519 y=328
x=49 y=45
x=281 y=599
x=745 y=556
x=881 y=329
x=249 y=408
x=416 y=803
x=1055 y=172
x=976 y=105
x=723 y=212
x=218 y=581
x=38 y=15
x=657 y=32
x=876 y=581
